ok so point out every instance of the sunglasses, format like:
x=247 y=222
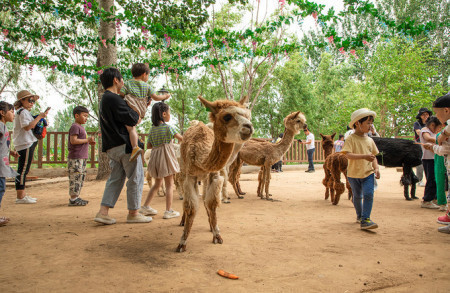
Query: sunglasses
x=31 y=101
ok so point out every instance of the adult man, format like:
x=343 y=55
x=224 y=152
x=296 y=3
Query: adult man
x=310 y=148
x=114 y=115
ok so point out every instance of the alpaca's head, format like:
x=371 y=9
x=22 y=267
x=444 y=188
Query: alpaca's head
x=295 y=122
x=231 y=120
x=327 y=141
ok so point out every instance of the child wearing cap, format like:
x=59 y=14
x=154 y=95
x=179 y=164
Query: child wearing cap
x=362 y=168
x=441 y=106
x=24 y=140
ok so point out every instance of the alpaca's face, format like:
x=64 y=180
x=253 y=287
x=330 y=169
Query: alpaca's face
x=295 y=122
x=327 y=140
x=233 y=125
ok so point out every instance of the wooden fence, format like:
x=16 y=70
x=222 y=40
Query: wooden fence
x=53 y=150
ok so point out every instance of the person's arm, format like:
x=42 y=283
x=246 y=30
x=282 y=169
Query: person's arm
x=352 y=156
x=35 y=121
x=75 y=140
x=179 y=137
x=149 y=145
x=376 y=169
x=156 y=97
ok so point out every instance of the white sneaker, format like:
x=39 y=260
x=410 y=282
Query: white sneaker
x=148 y=211
x=443 y=208
x=421 y=184
x=171 y=214
x=25 y=200
x=32 y=198
x=429 y=205
x=139 y=218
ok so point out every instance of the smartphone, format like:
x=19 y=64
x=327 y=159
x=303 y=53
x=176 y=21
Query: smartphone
x=48 y=108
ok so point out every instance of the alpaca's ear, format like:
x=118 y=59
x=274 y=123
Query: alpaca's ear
x=208 y=105
x=332 y=136
x=244 y=101
x=296 y=114
x=322 y=135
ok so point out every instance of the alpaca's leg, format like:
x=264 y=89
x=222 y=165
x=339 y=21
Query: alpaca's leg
x=234 y=173
x=225 y=197
x=212 y=200
x=267 y=177
x=414 y=181
x=190 y=207
x=238 y=186
x=347 y=184
x=259 y=191
x=325 y=180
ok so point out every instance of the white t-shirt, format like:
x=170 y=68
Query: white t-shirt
x=23 y=139
x=311 y=145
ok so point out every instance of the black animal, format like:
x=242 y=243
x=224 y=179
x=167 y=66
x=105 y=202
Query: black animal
x=397 y=152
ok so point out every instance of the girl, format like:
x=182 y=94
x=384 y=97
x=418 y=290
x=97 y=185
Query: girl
x=24 y=140
x=6 y=115
x=428 y=135
x=163 y=162
x=360 y=150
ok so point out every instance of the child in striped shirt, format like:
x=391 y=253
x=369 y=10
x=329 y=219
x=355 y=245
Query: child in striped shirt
x=138 y=95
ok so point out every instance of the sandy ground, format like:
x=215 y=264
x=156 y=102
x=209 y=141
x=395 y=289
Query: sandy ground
x=300 y=243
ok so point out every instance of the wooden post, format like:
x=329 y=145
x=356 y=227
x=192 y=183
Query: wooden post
x=40 y=152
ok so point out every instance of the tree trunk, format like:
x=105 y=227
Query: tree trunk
x=107 y=56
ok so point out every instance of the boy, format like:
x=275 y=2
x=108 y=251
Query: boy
x=441 y=106
x=360 y=150
x=138 y=95
x=115 y=115
x=78 y=154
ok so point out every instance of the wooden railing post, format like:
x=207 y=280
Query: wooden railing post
x=40 y=153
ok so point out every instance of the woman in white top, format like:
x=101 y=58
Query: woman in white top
x=24 y=140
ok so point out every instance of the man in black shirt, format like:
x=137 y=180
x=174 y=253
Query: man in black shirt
x=114 y=115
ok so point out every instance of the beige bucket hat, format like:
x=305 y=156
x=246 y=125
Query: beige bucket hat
x=26 y=94
x=359 y=114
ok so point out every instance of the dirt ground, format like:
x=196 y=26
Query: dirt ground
x=299 y=243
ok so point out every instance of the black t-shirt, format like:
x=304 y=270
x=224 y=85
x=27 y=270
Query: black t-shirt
x=114 y=115
x=417 y=126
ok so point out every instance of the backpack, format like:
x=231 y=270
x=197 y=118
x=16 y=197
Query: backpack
x=40 y=130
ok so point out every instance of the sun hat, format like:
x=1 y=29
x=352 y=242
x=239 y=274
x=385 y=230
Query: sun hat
x=25 y=94
x=423 y=110
x=359 y=114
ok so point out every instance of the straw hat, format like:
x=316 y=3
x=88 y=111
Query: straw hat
x=359 y=114
x=25 y=94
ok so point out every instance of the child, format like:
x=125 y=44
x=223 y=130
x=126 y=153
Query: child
x=78 y=154
x=24 y=141
x=6 y=115
x=163 y=162
x=338 y=144
x=138 y=95
x=441 y=107
x=362 y=164
x=428 y=135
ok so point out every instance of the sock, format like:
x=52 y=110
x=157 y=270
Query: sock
x=72 y=200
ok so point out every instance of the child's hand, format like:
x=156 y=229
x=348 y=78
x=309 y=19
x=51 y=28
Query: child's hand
x=369 y=158
x=15 y=154
x=91 y=140
x=377 y=173
x=167 y=96
x=43 y=114
x=428 y=146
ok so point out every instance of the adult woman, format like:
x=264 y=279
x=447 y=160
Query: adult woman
x=24 y=140
x=422 y=118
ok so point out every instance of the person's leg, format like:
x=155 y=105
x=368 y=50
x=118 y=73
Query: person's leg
x=440 y=173
x=367 y=190
x=2 y=189
x=419 y=172
x=153 y=190
x=132 y=132
x=355 y=183
x=135 y=174
x=310 y=154
x=116 y=179
x=169 y=191
x=24 y=164
x=430 y=187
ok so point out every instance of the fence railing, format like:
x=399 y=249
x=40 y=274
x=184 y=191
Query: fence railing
x=53 y=150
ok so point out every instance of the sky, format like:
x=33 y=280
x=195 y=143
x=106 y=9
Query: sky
x=51 y=98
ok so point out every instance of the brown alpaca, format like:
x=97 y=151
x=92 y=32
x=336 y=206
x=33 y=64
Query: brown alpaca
x=264 y=153
x=204 y=153
x=333 y=166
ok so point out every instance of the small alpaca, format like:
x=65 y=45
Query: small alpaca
x=264 y=153
x=205 y=153
x=333 y=166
